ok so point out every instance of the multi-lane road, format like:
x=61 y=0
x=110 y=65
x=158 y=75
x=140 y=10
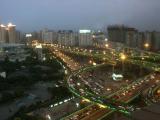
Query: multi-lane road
x=125 y=95
x=103 y=108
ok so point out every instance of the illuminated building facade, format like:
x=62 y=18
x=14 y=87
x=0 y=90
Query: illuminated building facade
x=8 y=34
x=67 y=37
x=3 y=34
x=85 y=38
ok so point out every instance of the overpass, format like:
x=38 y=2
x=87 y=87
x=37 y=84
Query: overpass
x=107 y=108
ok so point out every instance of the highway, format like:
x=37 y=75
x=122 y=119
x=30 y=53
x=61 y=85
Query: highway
x=98 y=110
x=151 y=94
x=138 y=86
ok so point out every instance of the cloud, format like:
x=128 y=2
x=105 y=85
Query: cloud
x=34 y=14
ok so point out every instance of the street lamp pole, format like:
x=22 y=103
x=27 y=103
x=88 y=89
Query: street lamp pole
x=113 y=59
x=122 y=57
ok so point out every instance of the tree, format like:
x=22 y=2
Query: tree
x=17 y=118
x=6 y=60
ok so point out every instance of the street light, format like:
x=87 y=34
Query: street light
x=106 y=39
x=93 y=36
x=94 y=63
x=77 y=104
x=146 y=45
x=90 y=62
x=90 y=51
x=78 y=84
x=158 y=91
x=106 y=45
x=122 y=57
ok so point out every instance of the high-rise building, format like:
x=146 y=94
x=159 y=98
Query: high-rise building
x=131 y=37
x=18 y=37
x=116 y=33
x=156 y=41
x=49 y=36
x=140 y=40
x=123 y=34
x=85 y=38
x=148 y=39
x=34 y=35
x=99 y=39
x=3 y=34
x=44 y=31
x=11 y=33
x=67 y=37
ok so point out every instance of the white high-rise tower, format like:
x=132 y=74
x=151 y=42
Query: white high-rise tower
x=3 y=34
x=11 y=33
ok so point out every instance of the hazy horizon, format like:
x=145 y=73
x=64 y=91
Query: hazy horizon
x=30 y=15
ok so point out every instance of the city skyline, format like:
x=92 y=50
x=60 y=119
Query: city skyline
x=34 y=15
x=79 y=60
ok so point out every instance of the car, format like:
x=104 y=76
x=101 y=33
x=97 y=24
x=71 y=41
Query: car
x=122 y=107
x=115 y=97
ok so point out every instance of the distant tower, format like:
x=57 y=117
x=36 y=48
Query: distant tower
x=38 y=49
x=11 y=33
x=3 y=34
x=85 y=38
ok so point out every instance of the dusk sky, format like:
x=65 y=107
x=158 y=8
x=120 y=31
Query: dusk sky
x=31 y=15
